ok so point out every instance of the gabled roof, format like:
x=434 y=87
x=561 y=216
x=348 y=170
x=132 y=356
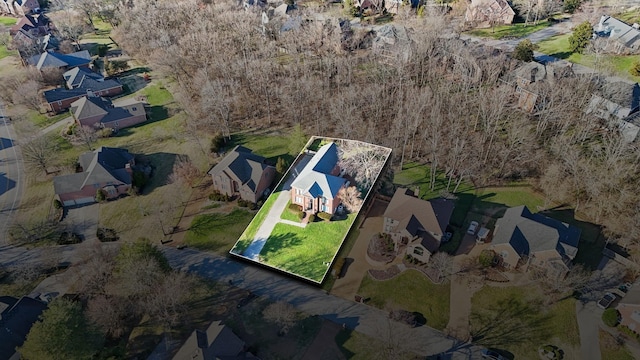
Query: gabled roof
x=243 y=166
x=16 y=322
x=529 y=233
x=217 y=342
x=90 y=106
x=316 y=179
x=617 y=30
x=29 y=22
x=60 y=94
x=103 y=165
x=57 y=60
x=74 y=77
x=415 y=215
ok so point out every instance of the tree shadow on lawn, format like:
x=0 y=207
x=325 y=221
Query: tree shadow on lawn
x=284 y=252
x=592 y=242
x=162 y=164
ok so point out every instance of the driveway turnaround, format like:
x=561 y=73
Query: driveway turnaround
x=365 y=319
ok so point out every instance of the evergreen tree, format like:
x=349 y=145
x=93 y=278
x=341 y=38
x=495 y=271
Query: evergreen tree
x=581 y=36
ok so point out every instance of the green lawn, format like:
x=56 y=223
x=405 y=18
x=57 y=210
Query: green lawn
x=157 y=94
x=4 y=52
x=217 y=232
x=250 y=232
x=611 y=350
x=8 y=21
x=558 y=46
x=490 y=199
x=271 y=146
x=509 y=31
x=629 y=17
x=522 y=310
x=288 y=215
x=411 y=291
x=304 y=251
x=44 y=120
x=357 y=346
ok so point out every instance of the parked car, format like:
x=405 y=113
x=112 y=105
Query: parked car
x=472 y=228
x=490 y=354
x=606 y=300
x=447 y=236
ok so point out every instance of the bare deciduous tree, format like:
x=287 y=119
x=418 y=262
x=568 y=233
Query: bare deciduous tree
x=351 y=198
x=281 y=313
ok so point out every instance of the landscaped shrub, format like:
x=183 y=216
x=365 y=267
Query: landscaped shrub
x=625 y=329
x=57 y=204
x=217 y=196
x=100 y=195
x=247 y=204
x=403 y=316
x=107 y=235
x=635 y=69
x=312 y=218
x=551 y=352
x=139 y=179
x=102 y=50
x=325 y=216
x=486 y=258
x=301 y=215
x=610 y=317
x=295 y=208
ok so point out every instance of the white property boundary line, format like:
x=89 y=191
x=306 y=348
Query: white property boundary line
x=284 y=179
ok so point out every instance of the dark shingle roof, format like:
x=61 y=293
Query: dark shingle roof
x=16 y=323
x=60 y=94
x=243 y=166
x=104 y=165
x=75 y=76
x=57 y=60
x=529 y=233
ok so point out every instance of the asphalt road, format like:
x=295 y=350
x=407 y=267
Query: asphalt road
x=11 y=175
x=312 y=300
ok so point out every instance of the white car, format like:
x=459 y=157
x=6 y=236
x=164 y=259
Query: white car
x=472 y=228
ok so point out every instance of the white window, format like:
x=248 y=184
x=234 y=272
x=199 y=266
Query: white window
x=418 y=251
x=59 y=102
x=298 y=200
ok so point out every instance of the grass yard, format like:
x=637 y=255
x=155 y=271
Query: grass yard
x=269 y=145
x=426 y=298
x=288 y=215
x=217 y=232
x=491 y=199
x=611 y=350
x=558 y=46
x=44 y=120
x=357 y=346
x=250 y=232
x=510 y=31
x=303 y=251
x=4 y=52
x=629 y=17
x=523 y=308
x=8 y=21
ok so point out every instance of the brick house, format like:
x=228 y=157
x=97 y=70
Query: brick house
x=522 y=238
x=418 y=223
x=80 y=82
x=316 y=187
x=99 y=112
x=109 y=169
x=243 y=173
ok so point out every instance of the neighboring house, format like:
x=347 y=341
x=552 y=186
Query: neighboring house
x=392 y=43
x=55 y=60
x=529 y=77
x=626 y=36
x=522 y=238
x=19 y=7
x=80 y=82
x=36 y=25
x=243 y=173
x=487 y=13
x=316 y=187
x=418 y=223
x=109 y=169
x=618 y=105
x=99 y=112
x=15 y=322
x=216 y=343
x=629 y=309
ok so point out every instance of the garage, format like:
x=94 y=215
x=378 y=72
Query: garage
x=80 y=201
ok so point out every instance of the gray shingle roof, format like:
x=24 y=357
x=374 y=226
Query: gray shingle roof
x=57 y=60
x=103 y=165
x=243 y=166
x=530 y=233
x=90 y=106
x=75 y=76
x=415 y=214
x=315 y=179
x=619 y=31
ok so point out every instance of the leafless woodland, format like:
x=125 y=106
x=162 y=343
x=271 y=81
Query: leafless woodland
x=443 y=104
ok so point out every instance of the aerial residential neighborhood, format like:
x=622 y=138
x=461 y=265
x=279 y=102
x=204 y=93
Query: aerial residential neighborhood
x=300 y=179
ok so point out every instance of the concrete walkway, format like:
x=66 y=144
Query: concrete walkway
x=273 y=217
x=365 y=319
x=66 y=121
x=589 y=318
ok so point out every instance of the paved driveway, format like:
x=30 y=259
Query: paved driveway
x=83 y=220
x=589 y=323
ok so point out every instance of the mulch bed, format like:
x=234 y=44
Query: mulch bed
x=385 y=274
x=377 y=249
